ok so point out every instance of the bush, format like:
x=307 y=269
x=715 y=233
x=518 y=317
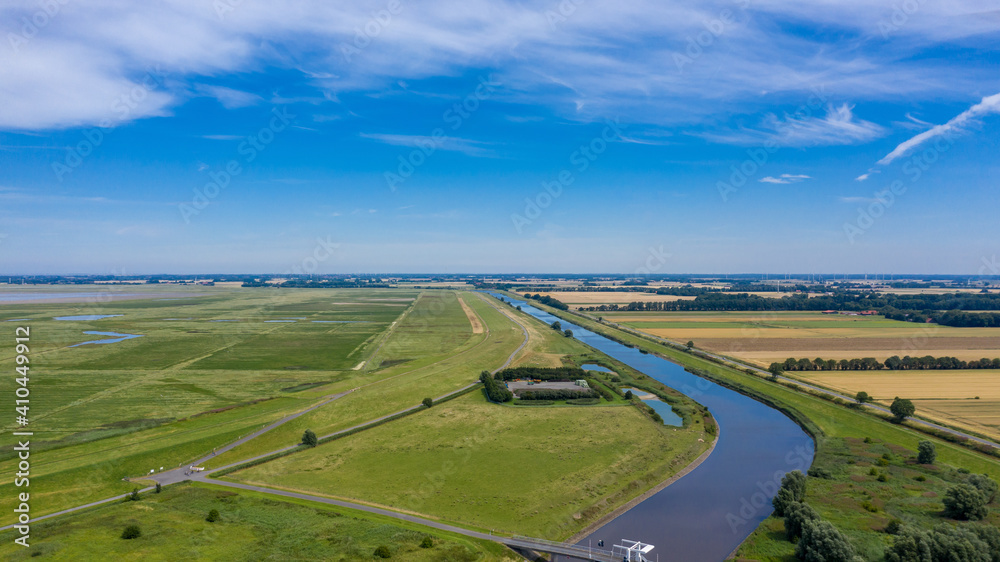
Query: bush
x=965 y=501
x=383 y=552
x=568 y=333
x=134 y=496
x=428 y=402
x=926 y=453
x=427 y=543
x=213 y=516
x=820 y=472
x=945 y=544
x=309 y=438
x=797 y=514
x=986 y=486
x=893 y=527
x=159 y=487
x=883 y=477
x=628 y=395
x=822 y=542
x=131 y=532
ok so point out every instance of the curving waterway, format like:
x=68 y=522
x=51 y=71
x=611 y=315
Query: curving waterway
x=706 y=514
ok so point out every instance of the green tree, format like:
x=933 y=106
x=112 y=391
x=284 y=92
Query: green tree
x=797 y=514
x=965 y=501
x=213 y=516
x=134 y=496
x=131 y=532
x=822 y=542
x=628 y=395
x=428 y=402
x=690 y=344
x=793 y=489
x=383 y=552
x=926 y=453
x=568 y=333
x=946 y=543
x=159 y=487
x=427 y=542
x=862 y=397
x=309 y=438
x=902 y=408
x=775 y=370
x=556 y=326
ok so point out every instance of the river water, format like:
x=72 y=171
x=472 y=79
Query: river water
x=706 y=514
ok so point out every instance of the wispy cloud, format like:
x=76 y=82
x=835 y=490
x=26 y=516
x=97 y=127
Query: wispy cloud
x=838 y=127
x=452 y=144
x=228 y=97
x=222 y=137
x=785 y=178
x=969 y=117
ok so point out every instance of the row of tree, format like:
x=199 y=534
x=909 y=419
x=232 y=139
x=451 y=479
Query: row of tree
x=547 y=300
x=839 y=300
x=495 y=391
x=556 y=394
x=894 y=363
x=542 y=373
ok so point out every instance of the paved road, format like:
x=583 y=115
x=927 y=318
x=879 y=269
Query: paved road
x=741 y=366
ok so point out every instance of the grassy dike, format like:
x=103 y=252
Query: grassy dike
x=251 y=526
x=870 y=477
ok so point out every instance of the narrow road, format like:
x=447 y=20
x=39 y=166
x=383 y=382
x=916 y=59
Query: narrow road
x=828 y=392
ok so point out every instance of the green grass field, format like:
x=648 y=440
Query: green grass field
x=251 y=527
x=191 y=384
x=538 y=471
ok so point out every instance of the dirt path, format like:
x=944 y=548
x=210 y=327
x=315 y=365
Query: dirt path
x=477 y=326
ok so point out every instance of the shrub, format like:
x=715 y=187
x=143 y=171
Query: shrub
x=134 y=496
x=822 y=542
x=131 y=532
x=383 y=552
x=893 y=527
x=213 y=516
x=820 y=472
x=628 y=395
x=920 y=478
x=965 y=501
x=495 y=391
x=427 y=543
x=986 y=486
x=159 y=487
x=945 y=543
x=797 y=514
x=309 y=438
x=883 y=477
x=428 y=402
x=926 y=453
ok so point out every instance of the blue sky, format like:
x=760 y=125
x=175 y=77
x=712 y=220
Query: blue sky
x=574 y=136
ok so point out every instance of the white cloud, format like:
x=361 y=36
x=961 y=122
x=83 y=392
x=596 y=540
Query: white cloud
x=838 y=127
x=988 y=105
x=452 y=144
x=221 y=138
x=228 y=97
x=606 y=59
x=785 y=178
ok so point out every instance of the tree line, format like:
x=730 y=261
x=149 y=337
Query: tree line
x=556 y=394
x=495 y=391
x=542 y=373
x=894 y=363
x=547 y=300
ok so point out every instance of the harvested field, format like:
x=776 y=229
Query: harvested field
x=590 y=298
x=948 y=396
